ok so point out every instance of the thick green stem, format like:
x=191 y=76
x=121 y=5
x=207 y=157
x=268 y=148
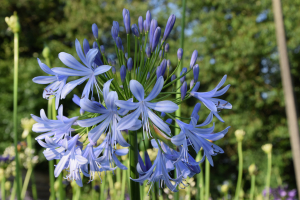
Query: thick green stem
x=133 y=156
x=15 y=113
x=124 y=177
x=268 y=178
x=200 y=191
x=252 y=187
x=3 y=186
x=239 y=182
x=207 y=178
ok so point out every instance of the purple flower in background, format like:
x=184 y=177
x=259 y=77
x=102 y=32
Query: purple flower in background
x=214 y=104
x=143 y=107
x=95 y=30
x=89 y=71
x=57 y=83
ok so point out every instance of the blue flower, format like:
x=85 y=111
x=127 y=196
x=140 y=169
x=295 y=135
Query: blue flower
x=57 y=83
x=89 y=71
x=57 y=128
x=159 y=172
x=190 y=134
x=143 y=107
x=108 y=119
x=211 y=103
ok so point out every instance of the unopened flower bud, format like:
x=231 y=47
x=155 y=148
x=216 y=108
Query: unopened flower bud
x=46 y=52
x=123 y=73
x=158 y=71
x=192 y=83
x=252 y=169
x=148 y=21
x=196 y=87
x=86 y=46
x=113 y=63
x=196 y=72
x=169 y=121
x=119 y=43
x=113 y=69
x=183 y=90
x=114 y=33
x=117 y=186
x=239 y=134
x=145 y=24
x=129 y=64
x=163 y=65
x=184 y=70
x=193 y=58
x=13 y=23
x=102 y=49
x=7 y=185
x=267 y=148
x=109 y=61
x=148 y=52
x=126 y=16
x=163 y=114
x=224 y=188
x=155 y=39
x=167 y=48
x=95 y=30
x=27 y=126
x=161 y=54
x=173 y=77
x=148 y=76
x=153 y=27
x=126 y=56
x=169 y=27
x=140 y=22
x=179 y=53
x=135 y=31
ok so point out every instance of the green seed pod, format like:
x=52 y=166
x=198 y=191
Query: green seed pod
x=252 y=169
x=267 y=148
x=46 y=52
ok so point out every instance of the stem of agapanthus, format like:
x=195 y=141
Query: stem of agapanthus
x=128 y=45
x=135 y=54
x=60 y=177
x=239 y=182
x=124 y=177
x=51 y=162
x=15 y=112
x=13 y=190
x=102 y=188
x=207 y=178
x=252 y=187
x=133 y=157
x=26 y=181
x=268 y=178
x=200 y=192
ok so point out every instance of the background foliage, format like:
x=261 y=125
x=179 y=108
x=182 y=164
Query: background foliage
x=234 y=37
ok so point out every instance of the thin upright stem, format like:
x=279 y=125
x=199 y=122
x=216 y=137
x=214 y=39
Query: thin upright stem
x=15 y=113
x=207 y=178
x=51 y=162
x=239 y=182
x=268 y=178
x=200 y=192
x=133 y=156
x=3 y=186
x=102 y=189
x=252 y=187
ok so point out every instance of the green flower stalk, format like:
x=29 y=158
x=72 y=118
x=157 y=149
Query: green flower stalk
x=200 y=191
x=14 y=25
x=252 y=171
x=207 y=177
x=267 y=148
x=3 y=179
x=239 y=134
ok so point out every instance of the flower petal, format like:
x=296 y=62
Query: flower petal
x=90 y=57
x=61 y=165
x=137 y=90
x=71 y=72
x=221 y=92
x=163 y=106
x=71 y=62
x=96 y=132
x=156 y=89
x=129 y=120
x=207 y=120
x=71 y=85
x=44 y=79
x=79 y=52
x=209 y=104
x=101 y=69
x=91 y=106
x=106 y=88
x=92 y=121
x=158 y=122
x=127 y=105
x=45 y=68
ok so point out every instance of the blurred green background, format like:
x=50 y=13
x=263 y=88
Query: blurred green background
x=233 y=37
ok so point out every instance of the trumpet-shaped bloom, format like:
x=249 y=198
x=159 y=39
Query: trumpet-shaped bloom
x=57 y=128
x=88 y=71
x=108 y=119
x=57 y=83
x=143 y=107
x=214 y=104
x=159 y=172
x=191 y=134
